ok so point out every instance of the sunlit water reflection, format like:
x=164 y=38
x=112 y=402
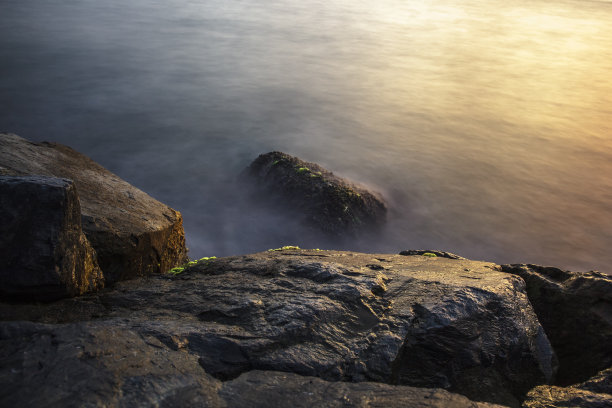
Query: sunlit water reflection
x=486 y=125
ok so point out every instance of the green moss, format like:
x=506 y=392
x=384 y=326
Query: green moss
x=429 y=254
x=179 y=269
x=285 y=248
x=302 y=169
x=275 y=162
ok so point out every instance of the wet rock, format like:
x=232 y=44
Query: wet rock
x=315 y=195
x=444 y=323
x=430 y=253
x=575 y=310
x=43 y=252
x=132 y=233
x=593 y=393
x=105 y=363
x=275 y=389
x=101 y=364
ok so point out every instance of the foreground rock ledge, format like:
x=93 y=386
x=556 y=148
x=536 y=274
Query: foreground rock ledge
x=315 y=195
x=106 y=364
x=132 y=233
x=415 y=320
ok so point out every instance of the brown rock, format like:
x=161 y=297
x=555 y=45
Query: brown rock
x=133 y=234
x=43 y=252
x=315 y=195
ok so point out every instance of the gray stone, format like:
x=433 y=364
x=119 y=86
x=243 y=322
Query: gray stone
x=108 y=364
x=593 y=393
x=43 y=252
x=315 y=195
x=421 y=321
x=274 y=389
x=132 y=233
x=575 y=310
x=97 y=364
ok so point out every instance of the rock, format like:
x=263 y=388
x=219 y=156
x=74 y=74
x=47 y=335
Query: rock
x=593 y=393
x=44 y=254
x=132 y=233
x=275 y=389
x=107 y=364
x=420 y=321
x=575 y=310
x=101 y=364
x=315 y=195
x=430 y=253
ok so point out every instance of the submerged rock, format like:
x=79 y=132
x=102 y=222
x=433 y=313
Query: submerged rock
x=44 y=254
x=575 y=310
x=593 y=393
x=315 y=195
x=421 y=321
x=132 y=233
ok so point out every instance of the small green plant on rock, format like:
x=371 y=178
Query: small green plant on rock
x=179 y=269
x=303 y=169
x=285 y=248
x=430 y=254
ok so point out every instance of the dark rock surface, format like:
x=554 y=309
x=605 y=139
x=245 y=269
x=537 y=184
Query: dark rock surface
x=593 y=393
x=107 y=364
x=132 y=233
x=431 y=253
x=575 y=310
x=275 y=389
x=315 y=195
x=341 y=316
x=43 y=252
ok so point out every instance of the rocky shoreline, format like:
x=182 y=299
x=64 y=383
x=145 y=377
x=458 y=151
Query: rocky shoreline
x=287 y=327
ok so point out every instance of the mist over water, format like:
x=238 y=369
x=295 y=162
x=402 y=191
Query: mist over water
x=487 y=126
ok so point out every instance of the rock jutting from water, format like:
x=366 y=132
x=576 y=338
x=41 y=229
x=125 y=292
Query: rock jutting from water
x=132 y=233
x=316 y=196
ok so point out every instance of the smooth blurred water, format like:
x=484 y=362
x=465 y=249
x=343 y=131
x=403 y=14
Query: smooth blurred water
x=485 y=124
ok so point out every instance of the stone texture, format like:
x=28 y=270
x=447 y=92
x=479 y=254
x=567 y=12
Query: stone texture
x=43 y=252
x=437 y=322
x=132 y=233
x=315 y=195
x=275 y=389
x=575 y=310
x=593 y=393
x=106 y=364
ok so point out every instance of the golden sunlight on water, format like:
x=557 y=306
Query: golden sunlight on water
x=486 y=125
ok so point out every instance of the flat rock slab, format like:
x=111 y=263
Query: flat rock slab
x=315 y=195
x=575 y=309
x=593 y=393
x=43 y=252
x=132 y=233
x=415 y=320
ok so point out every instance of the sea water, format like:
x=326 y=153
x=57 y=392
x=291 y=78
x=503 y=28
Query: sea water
x=486 y=125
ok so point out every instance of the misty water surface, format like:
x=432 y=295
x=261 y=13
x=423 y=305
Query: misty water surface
x=485 y=124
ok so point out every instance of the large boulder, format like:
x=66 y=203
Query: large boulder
x=421 y=321
x=575 y=310
x=314 y=195
x=43 y=252
x=107 y=365
x=593 y=393
x=132 y=233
